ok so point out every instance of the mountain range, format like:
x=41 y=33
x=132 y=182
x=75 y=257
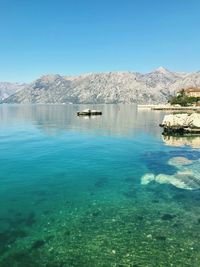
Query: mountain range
x=112 y=87
x=7 y=89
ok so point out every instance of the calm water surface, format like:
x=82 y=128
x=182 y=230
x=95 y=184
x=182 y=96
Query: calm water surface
x=76 y=191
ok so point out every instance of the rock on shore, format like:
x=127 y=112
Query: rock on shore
x=181 y=123
x=183 y=120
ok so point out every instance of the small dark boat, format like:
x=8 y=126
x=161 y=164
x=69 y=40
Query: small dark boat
x=89 y=112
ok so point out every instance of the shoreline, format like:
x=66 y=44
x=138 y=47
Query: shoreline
x=167 y=107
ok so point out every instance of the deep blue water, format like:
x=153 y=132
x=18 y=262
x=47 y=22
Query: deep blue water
x=71 y=189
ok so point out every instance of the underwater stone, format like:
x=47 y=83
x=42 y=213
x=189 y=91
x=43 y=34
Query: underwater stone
x=183 y=180
x=179 y=161
x=178 y=179
x=187 y=175
x=147 y=178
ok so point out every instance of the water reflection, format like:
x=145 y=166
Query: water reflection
x=122 y=119
x=180 y=141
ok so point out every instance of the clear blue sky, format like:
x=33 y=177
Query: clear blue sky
x=80 y=36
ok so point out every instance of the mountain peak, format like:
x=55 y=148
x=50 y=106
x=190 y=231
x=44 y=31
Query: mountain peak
x=162 y=70
x=50 y=76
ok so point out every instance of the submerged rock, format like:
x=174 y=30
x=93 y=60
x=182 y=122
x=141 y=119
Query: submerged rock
x=179 y=161
x=181 y=179
x=187 y=175
x=147 y=178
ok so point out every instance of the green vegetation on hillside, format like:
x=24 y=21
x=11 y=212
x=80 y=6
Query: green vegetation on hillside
x=183 y=100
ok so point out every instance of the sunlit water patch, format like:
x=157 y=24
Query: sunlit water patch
x=101 y=191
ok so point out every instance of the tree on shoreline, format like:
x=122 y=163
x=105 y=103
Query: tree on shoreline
x=183 y=100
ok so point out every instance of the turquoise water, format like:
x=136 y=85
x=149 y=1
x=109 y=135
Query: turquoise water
x=73 y=192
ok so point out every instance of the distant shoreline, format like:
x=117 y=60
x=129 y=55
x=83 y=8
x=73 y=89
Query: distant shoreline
x=168 y=107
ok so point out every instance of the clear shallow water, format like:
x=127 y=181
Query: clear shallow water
x=71 y=192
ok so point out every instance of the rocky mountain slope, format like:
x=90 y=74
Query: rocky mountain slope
x=112 y=87
x=7 y=89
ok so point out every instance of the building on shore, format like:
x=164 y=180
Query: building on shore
x=192 y=92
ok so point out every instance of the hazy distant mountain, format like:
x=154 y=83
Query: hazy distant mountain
x=7 y=89
x=189 y=80
x=112 y=87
